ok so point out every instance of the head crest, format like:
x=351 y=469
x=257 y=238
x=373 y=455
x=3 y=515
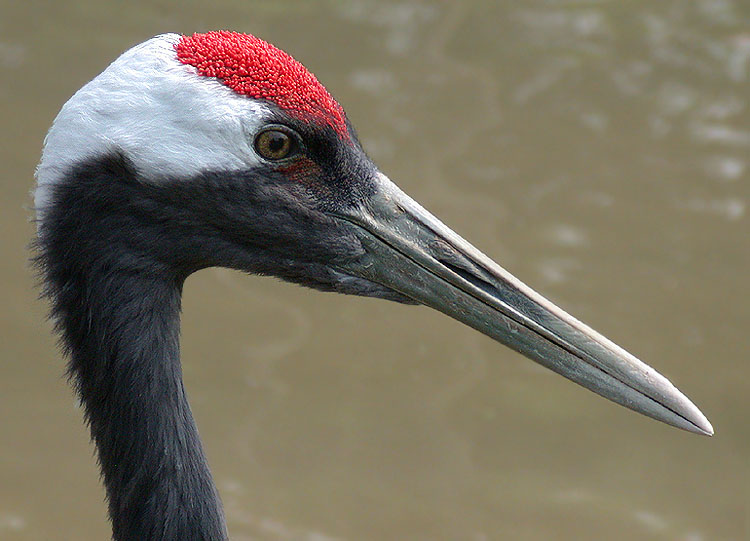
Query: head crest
x=255 y=68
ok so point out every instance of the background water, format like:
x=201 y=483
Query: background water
x=597 y=149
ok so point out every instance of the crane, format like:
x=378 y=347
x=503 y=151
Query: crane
x=218 y=149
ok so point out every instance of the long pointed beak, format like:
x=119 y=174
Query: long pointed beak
x=412 y=252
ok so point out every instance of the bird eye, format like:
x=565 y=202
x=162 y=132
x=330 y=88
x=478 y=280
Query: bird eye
x=275 y=144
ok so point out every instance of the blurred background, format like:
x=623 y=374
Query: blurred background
x=598 y=149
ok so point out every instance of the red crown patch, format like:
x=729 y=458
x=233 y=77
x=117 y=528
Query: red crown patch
x=255 y=68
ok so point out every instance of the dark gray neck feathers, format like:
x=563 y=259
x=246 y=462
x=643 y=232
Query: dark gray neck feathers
x=117 y=310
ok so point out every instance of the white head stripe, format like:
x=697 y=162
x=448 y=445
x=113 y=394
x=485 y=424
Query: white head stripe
x=170 y=121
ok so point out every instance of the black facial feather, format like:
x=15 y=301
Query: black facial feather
x=113 y=252
x=346 y=171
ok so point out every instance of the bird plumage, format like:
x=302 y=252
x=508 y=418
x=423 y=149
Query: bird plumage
x=158 y=168
x=169 y=121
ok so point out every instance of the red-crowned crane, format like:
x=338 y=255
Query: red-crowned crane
x=218 y=149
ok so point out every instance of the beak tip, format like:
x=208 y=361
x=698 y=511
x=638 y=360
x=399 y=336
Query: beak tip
x=698 y=423
x=705 y=428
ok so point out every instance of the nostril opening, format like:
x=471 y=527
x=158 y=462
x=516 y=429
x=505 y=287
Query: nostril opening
x=473 y=279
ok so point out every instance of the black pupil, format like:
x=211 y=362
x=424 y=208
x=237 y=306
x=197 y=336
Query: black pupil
x=276 y=142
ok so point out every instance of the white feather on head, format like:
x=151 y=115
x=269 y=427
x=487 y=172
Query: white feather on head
x=165 y=117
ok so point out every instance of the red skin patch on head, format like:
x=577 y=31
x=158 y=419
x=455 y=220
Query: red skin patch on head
x=255 y=68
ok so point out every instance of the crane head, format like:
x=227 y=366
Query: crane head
x=219 y=149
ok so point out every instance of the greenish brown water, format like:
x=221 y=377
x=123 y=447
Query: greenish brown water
x=598 y=150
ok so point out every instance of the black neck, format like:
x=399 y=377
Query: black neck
x=118 y=313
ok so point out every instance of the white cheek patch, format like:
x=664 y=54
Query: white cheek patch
x=168 y=120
